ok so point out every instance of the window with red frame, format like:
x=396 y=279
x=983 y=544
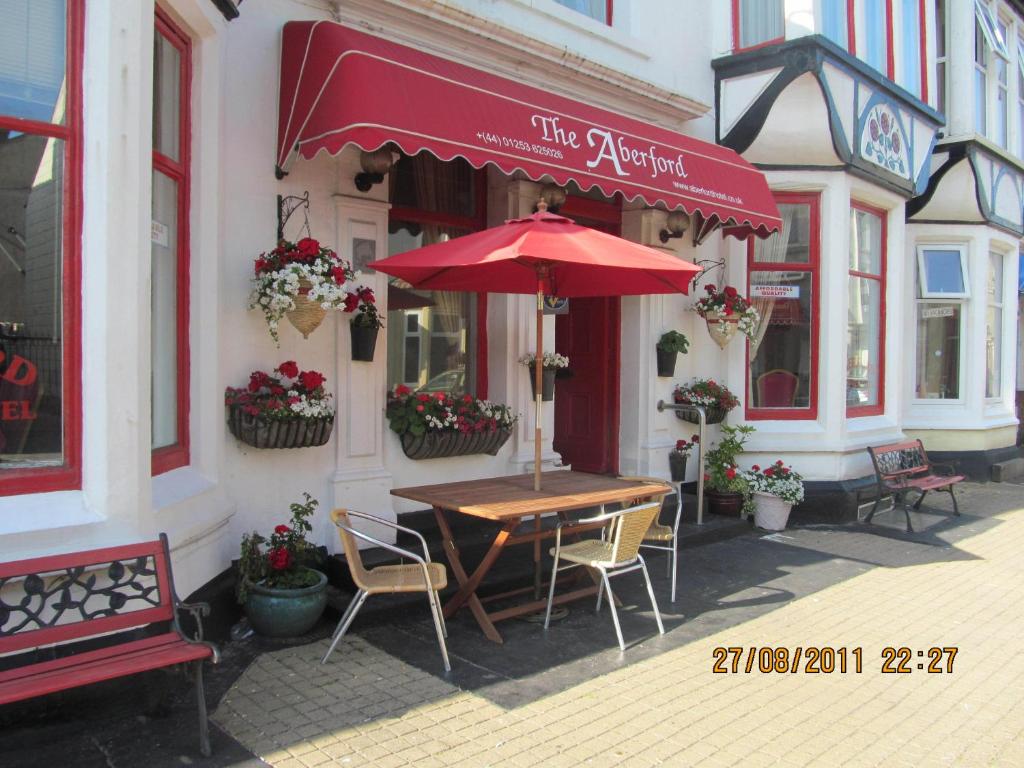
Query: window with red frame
x=598 y=10
x=782 y=273
x=756 y=23
x=437 y=340
x=169 y=347
x=40 y=245
x=865 y=327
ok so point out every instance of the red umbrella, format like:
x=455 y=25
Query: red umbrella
x=542 y=254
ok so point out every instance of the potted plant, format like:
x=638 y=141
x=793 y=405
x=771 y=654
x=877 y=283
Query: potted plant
x=677 y=458
x=287 y=409
x=716 y=399
x=775 y=490
x=726 y=312
x=282 y=595
x=553 y=363
x=439 y=424
x=725 y=486
x=669 y=345
x=365 y=323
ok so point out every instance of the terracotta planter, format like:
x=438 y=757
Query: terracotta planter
x=724 y=503
x=266 y=433
x=307 y=315
x=666 y=362
x=438 y=445
x=677 y=466
x=721 y=328
x=547 y=383
x=714 y=415
x=364 y=341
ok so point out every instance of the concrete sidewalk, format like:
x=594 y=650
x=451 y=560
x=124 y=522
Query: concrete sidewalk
x=958 y=583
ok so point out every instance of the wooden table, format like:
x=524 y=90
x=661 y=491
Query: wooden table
x=508 y=500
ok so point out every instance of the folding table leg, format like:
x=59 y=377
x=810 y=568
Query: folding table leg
x=466 y=594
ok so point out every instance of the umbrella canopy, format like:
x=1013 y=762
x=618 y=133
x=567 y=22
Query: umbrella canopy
x=542 y=254
x=578 y=261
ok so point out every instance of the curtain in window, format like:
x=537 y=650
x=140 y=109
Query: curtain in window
x=760 y=21
x=771 y=250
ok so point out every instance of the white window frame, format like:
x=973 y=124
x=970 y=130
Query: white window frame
x=999 y=302
x=961 y=383
x=923 y=292
x=987 y=20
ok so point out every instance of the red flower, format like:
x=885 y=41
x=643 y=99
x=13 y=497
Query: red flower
x=261 y=264
x=351 y=302
x=769 y=472
x=680 y=445
x=710 y=288
x=338 y=273
x=252 y=410
x=281 y=529
x=308 y=247
x=730 y=473
x=279 y=558
x=310 y=380
x=730 y=292
x=728 y=309
x=695 y=439
x=419 y=408
x=439 y=395
x=288 y=369
x=756 y=468
x=258 y=379
x=706 y=477
x=778 y=463
x=366 y=294
x=467 y=398
x=423 y=397
x=293 y=400
x=276 y=390
x=401 y=390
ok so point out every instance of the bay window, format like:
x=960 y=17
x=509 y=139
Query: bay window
x=783 y=284
x=436 y=339
x=909 y=75
x=865 y=332
x=756 y=23
x=940 y=55
x=169 y=348
x=942 y=286
x=994 y=326
x=40 y=204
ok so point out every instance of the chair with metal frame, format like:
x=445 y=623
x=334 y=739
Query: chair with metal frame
x=617 y=552
x=665 y=536
x=421 y=575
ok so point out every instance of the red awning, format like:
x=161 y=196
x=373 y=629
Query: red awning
x=340 y=87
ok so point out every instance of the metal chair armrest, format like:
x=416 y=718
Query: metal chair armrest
x=197 y=611
x=394 y=526
x=603 y=517
x=378 y=543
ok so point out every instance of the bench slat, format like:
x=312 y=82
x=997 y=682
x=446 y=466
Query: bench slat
x=99 y=665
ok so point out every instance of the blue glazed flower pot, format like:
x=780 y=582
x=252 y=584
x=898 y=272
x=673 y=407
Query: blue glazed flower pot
x=286 y=612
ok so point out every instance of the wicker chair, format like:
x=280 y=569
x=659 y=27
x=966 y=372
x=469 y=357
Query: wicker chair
x=617 y=552
x=663 y=537
x=419 y=576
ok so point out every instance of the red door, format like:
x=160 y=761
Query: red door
x=587 y=402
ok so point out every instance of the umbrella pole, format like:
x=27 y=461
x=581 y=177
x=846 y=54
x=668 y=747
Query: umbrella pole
x=538 y=386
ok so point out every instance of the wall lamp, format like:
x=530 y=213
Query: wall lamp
x=375 y=164
x=553 y=195
x=675 y=226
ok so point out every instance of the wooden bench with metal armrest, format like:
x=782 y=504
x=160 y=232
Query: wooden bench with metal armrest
x=904 y=467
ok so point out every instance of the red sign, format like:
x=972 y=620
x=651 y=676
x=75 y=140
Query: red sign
x=19 y=373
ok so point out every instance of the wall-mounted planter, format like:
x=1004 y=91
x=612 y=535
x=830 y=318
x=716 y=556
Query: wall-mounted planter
x=547 y=377
x=265 y=433
x=666 y=362
x=364 y=341
x=438 y=445
x=713 y=414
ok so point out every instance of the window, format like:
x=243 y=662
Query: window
x=756 y=23
x=942 y=286
x=783 y=286
x=994 y=326
x=436 y=339
x=877 y=15
x=1002 y=110
x=865 y=332
x=991 y=74
x=836 y=23
x=940 y=55
x=169 y=348
x=1020 y=98
x=40 y=210
x=943 y=272
x=911 y=48
x=981 y=54
x=599 y=10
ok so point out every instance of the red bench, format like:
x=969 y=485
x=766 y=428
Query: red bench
x=904 y=467
x=47 y=601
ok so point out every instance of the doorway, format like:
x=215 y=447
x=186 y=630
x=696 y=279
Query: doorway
x=587 y=398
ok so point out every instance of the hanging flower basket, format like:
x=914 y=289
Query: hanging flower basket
x=726 y=312
x=716 y=399
x=260 y=432
x=712 y=413
x=308 y=314
x=438 y=445
x=721 y=328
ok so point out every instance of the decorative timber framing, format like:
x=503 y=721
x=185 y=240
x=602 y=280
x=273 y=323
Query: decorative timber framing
x=878 y=130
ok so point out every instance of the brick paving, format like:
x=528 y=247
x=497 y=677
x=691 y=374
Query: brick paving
x=370 y=708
